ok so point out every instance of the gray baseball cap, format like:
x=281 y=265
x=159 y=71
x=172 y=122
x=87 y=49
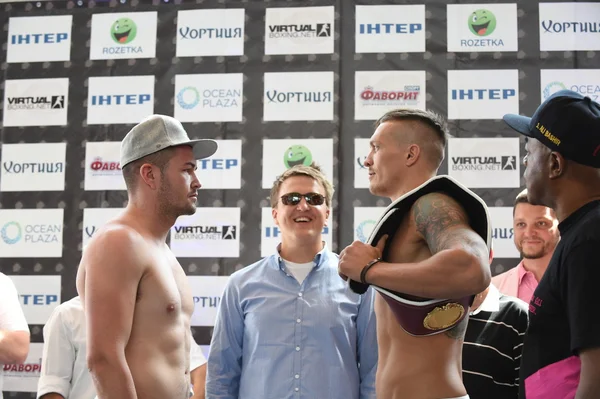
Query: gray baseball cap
x=157 y=132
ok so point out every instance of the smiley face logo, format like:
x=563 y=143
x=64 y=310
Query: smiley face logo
x=297 y=155
x=123 y=31
x=482 y=22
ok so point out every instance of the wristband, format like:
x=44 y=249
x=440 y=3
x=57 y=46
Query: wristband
x=365 y=269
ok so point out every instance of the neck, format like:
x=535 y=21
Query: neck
x=410 y=183
x=157 y=225
x=537 y=266
x=479 y=298
x=300 y=251
x=564 y=207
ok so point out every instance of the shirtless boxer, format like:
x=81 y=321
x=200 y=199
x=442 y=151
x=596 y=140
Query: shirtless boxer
x=434 y=252
x=136 y=297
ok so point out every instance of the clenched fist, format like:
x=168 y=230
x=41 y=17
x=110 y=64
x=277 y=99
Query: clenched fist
x=356 y=256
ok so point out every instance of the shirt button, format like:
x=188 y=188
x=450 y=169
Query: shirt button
x=298 y=320
x=297 y=376
x=299 y=294
x=297 y=349
x=296 y=389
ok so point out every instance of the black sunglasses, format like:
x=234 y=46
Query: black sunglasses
x=295 y=198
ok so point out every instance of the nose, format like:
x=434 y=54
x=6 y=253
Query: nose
x=302 y=205
x=368 y=161
x=196 y=182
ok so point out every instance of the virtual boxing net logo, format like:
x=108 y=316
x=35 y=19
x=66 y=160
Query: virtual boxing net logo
x=35 y=102
x=299 y=30
x=205 y=232
x=484 y=163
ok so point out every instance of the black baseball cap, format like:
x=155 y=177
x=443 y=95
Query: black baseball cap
x=566 y=122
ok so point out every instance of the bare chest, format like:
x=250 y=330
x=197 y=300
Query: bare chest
x=164 y=289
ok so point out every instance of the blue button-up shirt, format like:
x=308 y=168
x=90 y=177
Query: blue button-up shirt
x=276 y=339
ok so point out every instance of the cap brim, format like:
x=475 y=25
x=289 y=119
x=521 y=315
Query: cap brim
x=519 y=123
x=203 y=148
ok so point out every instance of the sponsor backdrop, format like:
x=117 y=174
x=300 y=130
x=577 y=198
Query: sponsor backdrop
x=277 y=83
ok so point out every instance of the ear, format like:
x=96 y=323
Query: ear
x=327 y=217
x=413 y=152
x=149 y=175
x=557 y=165
x=274 y=214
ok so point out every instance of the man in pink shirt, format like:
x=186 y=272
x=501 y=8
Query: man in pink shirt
x=536 y=235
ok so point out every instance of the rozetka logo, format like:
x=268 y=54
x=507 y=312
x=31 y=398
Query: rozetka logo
x=482 y=22
x=297 y=155
x=123 y=30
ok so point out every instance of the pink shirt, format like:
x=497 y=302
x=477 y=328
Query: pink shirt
x=516 y=282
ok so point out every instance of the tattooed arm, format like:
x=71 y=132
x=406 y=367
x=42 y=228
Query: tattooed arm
x=459 y=265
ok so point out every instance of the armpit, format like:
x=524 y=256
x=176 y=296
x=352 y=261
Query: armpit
x=444 y=224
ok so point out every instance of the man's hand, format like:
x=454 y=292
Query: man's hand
x=356 y=256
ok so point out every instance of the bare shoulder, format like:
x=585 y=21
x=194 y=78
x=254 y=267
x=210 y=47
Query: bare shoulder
x=116 y=249
x=444 y=224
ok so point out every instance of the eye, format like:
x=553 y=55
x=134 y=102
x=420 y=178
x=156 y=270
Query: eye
x=474 y=19
x=290 y=154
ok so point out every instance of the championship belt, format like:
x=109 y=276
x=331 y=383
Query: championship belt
x=423 y=316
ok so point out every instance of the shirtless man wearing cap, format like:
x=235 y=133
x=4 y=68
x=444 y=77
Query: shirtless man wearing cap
x=433 y=242
x=135 y=295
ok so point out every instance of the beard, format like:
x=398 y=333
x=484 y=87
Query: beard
x=534 y=253
x=170 y=205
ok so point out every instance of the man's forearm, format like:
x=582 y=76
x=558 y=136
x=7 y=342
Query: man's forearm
x=447 y=274
x=588 y=390
x=198 y=379
x=14 y=346
x=112 y=379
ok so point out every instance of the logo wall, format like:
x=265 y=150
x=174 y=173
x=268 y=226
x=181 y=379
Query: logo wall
x=94 y=219
x=24 y=377
x=377 y=92
x=298 y=96
x=102 y=166
x=33 y=167
x=361 y=172
x=583 y=81
x=390 y=29
x=209 y=233
x=123 y=35
x=31 y=231
x=120 y=99
x=39 y=39
x=281 y=154
x=207 y=292
x=271 y=235
x=36 y=102
x=223 y=169
x=365 y=219
x=503 y=232
x=485 y=162
x=299 y=30
x=483 y=94
x=209 y=97
x=482 y=27
x=39 y=295
x=210 y=32
x=569 y=26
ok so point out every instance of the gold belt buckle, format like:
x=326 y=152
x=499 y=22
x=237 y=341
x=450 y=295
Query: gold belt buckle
x=443 y=316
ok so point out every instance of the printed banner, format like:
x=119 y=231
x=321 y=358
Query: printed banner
x=503 y=233
x=36 y=102
x=123 y=35
x=39 y=39
x=33 y=167
x=39 y=295
x=210 y=32
x=31 y=231
x=207 y=292
x=24 y=377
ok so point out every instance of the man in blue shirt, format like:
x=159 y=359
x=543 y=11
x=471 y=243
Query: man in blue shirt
x=288 y=326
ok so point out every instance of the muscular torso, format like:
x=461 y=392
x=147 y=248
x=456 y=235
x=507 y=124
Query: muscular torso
x=414 y=367
x=158 y=349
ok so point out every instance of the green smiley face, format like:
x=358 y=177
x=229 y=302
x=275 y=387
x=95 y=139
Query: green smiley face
x=123 y=31
x=297 y=155
x=482 y=22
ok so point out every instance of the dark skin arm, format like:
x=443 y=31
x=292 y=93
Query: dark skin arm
x=458 y=267
x=589 y=378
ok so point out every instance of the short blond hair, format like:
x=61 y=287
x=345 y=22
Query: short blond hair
x=313 y=171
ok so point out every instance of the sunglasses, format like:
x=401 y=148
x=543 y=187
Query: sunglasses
x=295 y=198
